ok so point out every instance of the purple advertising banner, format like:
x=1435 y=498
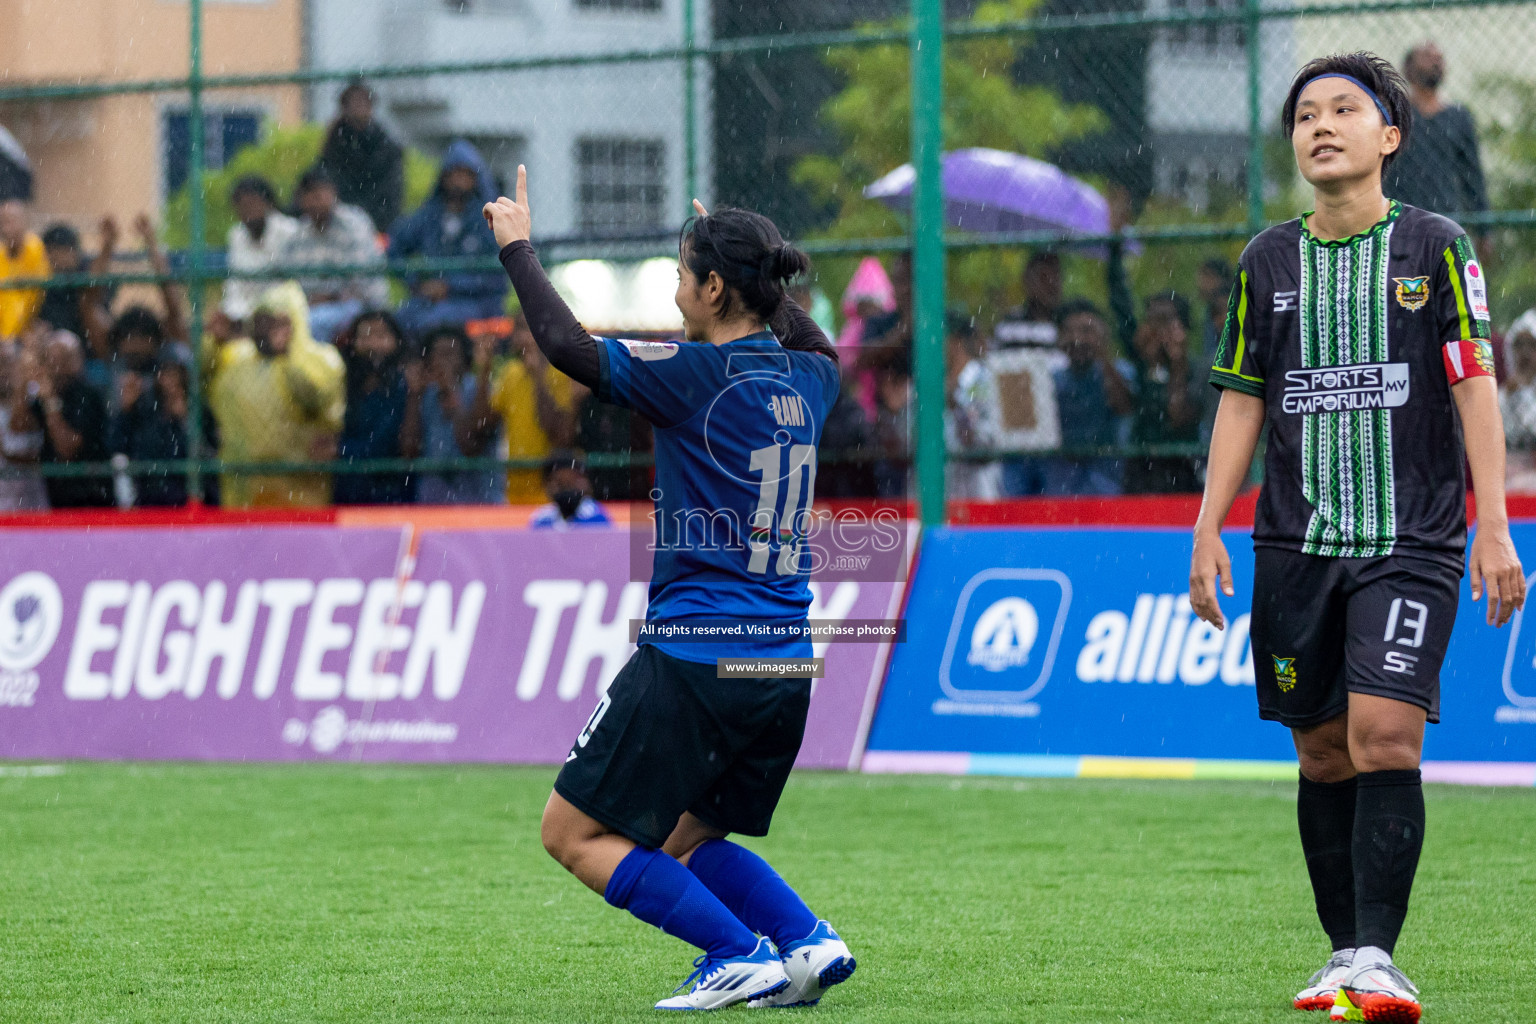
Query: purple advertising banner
x=324 y=643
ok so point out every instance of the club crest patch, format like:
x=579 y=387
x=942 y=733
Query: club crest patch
x=1285 y=670
x=1412 y=292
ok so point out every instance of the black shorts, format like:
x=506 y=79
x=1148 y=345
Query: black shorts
x=669 y=737
x=1324 y=628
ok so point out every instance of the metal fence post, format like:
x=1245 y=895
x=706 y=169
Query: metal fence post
x=690 y=115
x=928 y=255
x=1253 y=23
x=196 y=251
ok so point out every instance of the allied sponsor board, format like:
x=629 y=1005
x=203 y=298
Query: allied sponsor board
x=300 y=643
x=1074 y=652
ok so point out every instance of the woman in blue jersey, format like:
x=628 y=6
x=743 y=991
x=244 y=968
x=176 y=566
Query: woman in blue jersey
x=674 y=759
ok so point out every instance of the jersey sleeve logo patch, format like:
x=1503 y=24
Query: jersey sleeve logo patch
x=1477 y=290
x=650 y=351
x=1412 y=292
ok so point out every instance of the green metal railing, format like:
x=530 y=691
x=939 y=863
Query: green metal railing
x=925 y=33
x=928 y=255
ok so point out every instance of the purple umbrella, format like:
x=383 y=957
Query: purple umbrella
x=989 y=190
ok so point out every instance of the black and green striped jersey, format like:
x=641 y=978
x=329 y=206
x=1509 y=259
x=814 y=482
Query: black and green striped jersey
x=1345 y=342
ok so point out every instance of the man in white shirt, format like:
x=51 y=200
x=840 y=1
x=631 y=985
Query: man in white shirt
x=254 y=242
x=1023 y=360
x=333 y=233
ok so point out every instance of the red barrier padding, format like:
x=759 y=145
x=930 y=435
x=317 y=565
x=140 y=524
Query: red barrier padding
x=1176 y=510
x=190 y=515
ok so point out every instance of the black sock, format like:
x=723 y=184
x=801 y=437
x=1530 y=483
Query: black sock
x=1388 y=835
x=1325 y=812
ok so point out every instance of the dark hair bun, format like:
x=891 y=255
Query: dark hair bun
x=749 y=255
x=786 y=263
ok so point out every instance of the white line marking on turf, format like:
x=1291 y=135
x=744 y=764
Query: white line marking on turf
x=30 y=770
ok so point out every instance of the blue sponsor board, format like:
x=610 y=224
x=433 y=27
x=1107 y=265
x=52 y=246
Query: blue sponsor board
x=1081 y=642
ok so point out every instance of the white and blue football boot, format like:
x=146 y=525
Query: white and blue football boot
x=814 y=964
x=718 y=983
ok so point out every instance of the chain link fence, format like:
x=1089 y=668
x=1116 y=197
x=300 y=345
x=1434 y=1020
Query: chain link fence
x=623 y=110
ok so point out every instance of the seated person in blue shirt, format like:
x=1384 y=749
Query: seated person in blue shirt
x=1095 y=399
x=570 y=495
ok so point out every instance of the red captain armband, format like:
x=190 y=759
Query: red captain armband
x=1464 y=359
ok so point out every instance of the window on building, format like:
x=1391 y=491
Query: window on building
x=1210 y=38
x=620 y=184
x=225 y=133
x=619 y=5
x=485 y=6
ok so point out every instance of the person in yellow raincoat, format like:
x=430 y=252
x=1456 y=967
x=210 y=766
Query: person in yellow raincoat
x=22 y=254
x=278 y=396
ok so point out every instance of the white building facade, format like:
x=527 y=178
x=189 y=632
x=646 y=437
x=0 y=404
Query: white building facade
x=603 y=143
x=1197 y=97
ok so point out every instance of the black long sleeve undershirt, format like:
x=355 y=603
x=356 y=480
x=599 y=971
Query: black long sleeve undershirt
x=572 y=351
x=560 y=336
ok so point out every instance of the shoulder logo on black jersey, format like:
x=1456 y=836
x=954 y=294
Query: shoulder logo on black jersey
x=1412 y=292
x=1285 y=301
x=1477 y=290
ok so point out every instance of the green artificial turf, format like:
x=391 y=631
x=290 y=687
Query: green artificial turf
x=214 y=893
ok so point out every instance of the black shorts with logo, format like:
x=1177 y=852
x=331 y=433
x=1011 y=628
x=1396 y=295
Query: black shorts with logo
x=1324 y=628
x=669 y=737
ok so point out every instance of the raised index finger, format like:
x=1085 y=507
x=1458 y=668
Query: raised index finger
x=522 y=185
x=698 y=208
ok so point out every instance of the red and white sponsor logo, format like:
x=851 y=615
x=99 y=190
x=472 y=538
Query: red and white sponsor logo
x=650 y=351
x=1477 y=291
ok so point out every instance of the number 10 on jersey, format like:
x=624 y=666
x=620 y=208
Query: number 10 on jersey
x=789 y=520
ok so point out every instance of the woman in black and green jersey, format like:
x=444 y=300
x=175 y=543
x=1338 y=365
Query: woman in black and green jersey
x=1359 y=334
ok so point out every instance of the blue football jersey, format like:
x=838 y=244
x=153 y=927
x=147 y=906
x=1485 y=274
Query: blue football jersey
x=736 y=429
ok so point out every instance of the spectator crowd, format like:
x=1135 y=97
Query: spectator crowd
x=313 y=370
x=1059 y=396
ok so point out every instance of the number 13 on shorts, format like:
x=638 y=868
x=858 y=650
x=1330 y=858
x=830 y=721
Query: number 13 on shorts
x=1405 y=625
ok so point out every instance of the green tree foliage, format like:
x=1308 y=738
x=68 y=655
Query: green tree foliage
x=1509 y=158
x=284 y=153
x=983 y=106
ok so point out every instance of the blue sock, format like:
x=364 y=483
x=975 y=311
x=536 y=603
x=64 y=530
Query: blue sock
x=660 y=891
x=753 y=891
